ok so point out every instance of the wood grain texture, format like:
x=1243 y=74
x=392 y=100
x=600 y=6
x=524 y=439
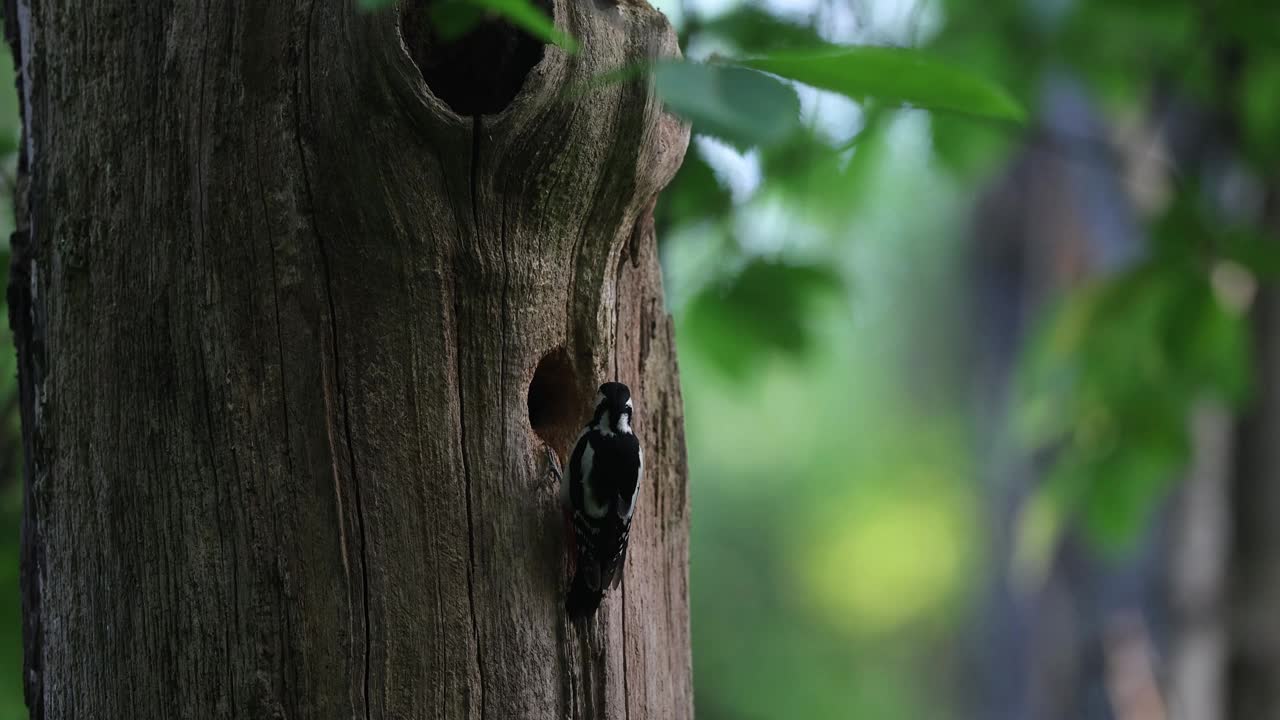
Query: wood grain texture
x=278 y=309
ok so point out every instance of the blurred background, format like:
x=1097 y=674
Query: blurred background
x=983 y=415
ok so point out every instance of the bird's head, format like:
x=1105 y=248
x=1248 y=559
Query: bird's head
x=613 y=408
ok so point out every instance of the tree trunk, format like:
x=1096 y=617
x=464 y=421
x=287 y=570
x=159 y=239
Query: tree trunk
x=1255 y=548
x=279 y=302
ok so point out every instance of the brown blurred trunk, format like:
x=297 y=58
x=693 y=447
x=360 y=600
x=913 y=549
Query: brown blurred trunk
x=1255 y=550
x=1198 y=555
x=279 y=306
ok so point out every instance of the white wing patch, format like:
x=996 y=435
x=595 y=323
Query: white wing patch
x=588 y=492
x=566 y=478
x=627 y=506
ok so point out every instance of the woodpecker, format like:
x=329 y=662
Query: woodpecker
x=599 y=498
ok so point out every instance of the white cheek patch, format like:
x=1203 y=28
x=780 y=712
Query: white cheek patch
x=624 y=424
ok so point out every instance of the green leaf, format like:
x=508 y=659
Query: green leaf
x=1252 y=24
x=619 y=75
x=969 y=149
x=1050 y=374
x=1126 y=485
x=694 y=194
x=766 y=309
x=895 y=75
x=1260 y=110
x=753 y=30
x=1110 y=484
x=740 y=106
x=1252 y=250
x=1217 y=350
x=1108 y=386
x=822 y=184
x=525 y=14
x=454 y=18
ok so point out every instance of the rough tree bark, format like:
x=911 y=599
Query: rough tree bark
x=299 y=294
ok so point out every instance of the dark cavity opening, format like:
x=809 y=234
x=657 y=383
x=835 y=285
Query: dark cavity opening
x=556 y=404
x=476 y=71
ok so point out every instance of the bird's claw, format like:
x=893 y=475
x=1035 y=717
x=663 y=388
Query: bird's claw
x=553 y=465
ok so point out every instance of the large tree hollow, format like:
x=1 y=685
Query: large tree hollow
x=479 y=72
x=555 y=401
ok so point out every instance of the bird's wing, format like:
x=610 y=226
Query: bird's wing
x=622 y=561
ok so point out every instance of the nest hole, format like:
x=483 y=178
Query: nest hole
x=555 y=401
x=476 y=64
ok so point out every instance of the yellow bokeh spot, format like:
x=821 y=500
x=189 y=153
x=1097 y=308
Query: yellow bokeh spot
x=899 y=560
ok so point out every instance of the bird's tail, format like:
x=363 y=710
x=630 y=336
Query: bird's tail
x=582 y=600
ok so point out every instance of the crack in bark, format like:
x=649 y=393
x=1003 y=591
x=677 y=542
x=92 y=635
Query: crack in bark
x=462 y=429
x=617 y=368
x=229 y=632
x=275 y=295
x=351 y=457
x=567 y=687
x=203 y=225
x=284 y=400
x=600 y=673
x=592 y=682
x=626 y=689
x=471 y=528
x=336 y=352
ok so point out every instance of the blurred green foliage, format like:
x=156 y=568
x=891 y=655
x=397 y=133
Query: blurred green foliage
x=769 y=305
x=835 y=540
x=837 y=532
x=11 y=699
x=1110 y=383
x=1120 y=365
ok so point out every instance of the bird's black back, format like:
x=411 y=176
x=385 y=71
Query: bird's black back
x=614 y=473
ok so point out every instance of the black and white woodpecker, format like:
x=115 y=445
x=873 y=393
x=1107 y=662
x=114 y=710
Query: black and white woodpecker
x=599 y=493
